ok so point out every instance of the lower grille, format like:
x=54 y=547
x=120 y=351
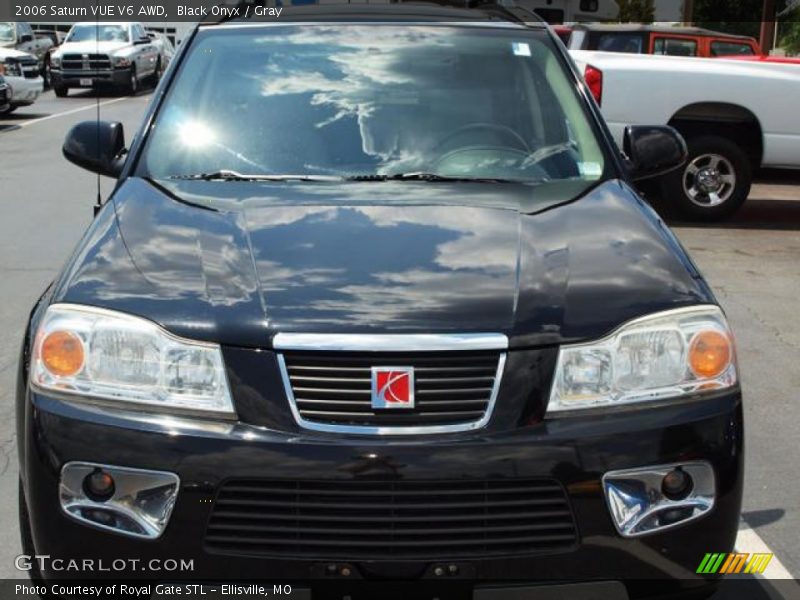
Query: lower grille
x=390 y=519
x=451 y=389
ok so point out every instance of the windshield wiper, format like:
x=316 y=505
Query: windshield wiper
x=228 y=175
x=433 y=177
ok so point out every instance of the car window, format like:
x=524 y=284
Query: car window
x=674 y=46
x=378 y=100
x=6 y=31
x=731 y=49
x=620 y=42
x=98 y=32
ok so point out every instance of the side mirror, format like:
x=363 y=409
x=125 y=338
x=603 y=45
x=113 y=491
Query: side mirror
x=98 y=146
x=651 y=151
x=141 y=40
x=25 y=38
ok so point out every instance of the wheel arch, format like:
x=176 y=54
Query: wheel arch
x=725 y=119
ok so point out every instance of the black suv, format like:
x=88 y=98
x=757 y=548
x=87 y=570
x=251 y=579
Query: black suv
x=374 y=300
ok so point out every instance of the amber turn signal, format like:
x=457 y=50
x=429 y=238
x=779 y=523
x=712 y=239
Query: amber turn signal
x=709 y=353
x=62 y=353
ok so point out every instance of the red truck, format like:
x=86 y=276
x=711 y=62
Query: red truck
x=655 y=39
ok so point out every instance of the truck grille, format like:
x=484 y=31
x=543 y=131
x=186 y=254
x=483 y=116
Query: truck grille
x=30 y=67
x=390 y=519
x=85 y=62
x=451 y=389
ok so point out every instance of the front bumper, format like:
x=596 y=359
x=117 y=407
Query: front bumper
x=575 y=451
x=75 y=78
x=24 y=90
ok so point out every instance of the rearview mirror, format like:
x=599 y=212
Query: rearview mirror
x=652 y=150
x=98 y=146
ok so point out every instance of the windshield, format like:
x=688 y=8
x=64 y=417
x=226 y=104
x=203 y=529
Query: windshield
x=6 y=32
x=98 y=33
x=355 y=101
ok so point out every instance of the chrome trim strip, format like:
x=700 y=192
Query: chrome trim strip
x=370 y=342
x=393 y=430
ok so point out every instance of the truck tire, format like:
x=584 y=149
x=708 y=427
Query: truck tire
x=132 y=86
x=713 y=183
x=60 y=90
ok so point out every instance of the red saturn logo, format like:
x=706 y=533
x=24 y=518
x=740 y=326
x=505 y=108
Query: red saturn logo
x=392 y=387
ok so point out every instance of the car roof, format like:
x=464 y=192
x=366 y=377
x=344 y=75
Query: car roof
x=636 y=28
x=485 y=13
x=93 y=23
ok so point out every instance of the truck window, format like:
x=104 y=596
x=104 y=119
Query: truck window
x=619 y=42
x=731 y=49
x=675 y=46
x=7 y=31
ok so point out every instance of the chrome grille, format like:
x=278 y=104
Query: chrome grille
x=30 y=67
x=390 y=519
x=88 y=62
x=332 y=390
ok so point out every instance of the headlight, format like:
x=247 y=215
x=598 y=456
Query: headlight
x=121 y=62
x=665 y=355
x=55 y=62
x=11 y=69
x=104 y=354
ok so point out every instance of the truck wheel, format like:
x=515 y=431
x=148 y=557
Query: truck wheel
x=713 y=183
x=157 y=74
x=61 y=90
x=133 y=83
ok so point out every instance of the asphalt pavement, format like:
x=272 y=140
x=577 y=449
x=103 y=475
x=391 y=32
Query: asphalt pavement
x=752 y=262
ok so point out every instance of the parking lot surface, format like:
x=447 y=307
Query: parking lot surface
x=752 y=262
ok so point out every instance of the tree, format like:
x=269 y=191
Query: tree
x=790 y=34
x=636 y=11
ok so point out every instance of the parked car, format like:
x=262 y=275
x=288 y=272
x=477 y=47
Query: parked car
x=165 y=48
x=736 y=116
x=110 y=54
x=5 y=95
x=659 y=39
x=19 y=35
x=379 y=301
x=21 y=73
x=57 y=38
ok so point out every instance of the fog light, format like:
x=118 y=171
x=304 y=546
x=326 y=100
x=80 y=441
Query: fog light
x=99 y=485
x=134 y=502
x=676 y=484
x=651 y=499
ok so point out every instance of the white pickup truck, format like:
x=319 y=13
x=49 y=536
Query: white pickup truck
x=736 y=116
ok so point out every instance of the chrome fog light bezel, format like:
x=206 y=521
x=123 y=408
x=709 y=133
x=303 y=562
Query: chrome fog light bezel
x=143 y=497
x=636 y=500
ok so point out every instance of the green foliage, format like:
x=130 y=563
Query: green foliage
x=790 y=33
x=636 y=11
x=742 y=17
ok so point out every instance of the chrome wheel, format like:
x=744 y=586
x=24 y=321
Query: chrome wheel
x=709 y=180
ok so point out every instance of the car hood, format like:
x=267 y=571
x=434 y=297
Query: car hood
x=376 y=258
x=14 y=53
x=91 y=47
